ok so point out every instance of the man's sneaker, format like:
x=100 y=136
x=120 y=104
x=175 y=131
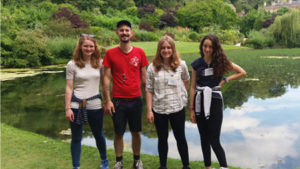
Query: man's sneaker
x=118 y=165
x=104 y=164
x=75 y=167
x=138 y=164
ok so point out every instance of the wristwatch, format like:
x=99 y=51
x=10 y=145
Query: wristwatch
x=225 y=79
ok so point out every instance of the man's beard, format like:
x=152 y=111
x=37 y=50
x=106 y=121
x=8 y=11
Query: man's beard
x=125 y=41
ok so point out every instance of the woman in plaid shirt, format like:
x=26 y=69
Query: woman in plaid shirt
x=166 y=97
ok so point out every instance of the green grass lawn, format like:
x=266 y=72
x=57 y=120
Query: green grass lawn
x=25 y=150
x=182 y=47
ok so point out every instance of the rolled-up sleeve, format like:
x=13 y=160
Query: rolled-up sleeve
x=150 y=79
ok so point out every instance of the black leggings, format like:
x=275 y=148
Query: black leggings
x=177 y=121
x=210 y=131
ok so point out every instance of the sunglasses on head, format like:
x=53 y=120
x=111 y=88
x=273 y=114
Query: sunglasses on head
x=89 y=35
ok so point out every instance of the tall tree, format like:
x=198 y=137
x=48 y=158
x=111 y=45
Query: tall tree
x=206 y=13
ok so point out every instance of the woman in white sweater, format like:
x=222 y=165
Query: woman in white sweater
x=83 y=101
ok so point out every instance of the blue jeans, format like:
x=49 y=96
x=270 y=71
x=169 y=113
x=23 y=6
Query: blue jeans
x=95 y=120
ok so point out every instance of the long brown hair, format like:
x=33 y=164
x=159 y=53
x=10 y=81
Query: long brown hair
x=78 y=57
x=158 y=60
x=220 y=62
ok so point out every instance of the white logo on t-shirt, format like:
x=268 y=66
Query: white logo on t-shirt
x=134 y=61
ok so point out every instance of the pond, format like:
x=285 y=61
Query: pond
x=260 y=127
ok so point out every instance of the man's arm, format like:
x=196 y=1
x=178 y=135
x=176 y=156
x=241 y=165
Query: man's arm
x=106 y=90
x=143 y=76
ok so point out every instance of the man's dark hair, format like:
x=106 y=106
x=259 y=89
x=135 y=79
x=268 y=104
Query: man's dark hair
x=123 y=22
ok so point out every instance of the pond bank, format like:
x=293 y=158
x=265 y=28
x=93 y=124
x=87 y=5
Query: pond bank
x=22 y=149
x=13 y=73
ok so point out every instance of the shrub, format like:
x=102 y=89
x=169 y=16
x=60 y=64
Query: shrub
x=110 y=21
x=61 y=47
x=105 y=37
x=180 y=33
x=282 y=10
x=147 y=26
x=255 y=43
x=65 y=14
x=30 y=45
x=230 y=36
x=270 y=41
x=133 y=11
x=268 y=21
x=170 y=34
x=146 y=9
x=194 y=36
x=259 y=40
x=168 y=19
x=89 y=16
x=6 y=46
x=146 y=36
x=58 y=28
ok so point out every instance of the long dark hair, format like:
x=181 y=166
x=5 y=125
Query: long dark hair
x=220 y=62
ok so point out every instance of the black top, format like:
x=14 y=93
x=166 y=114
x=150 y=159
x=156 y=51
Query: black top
x=199 y=65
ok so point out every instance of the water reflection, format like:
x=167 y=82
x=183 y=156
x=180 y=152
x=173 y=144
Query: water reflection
x=260 y=128
x=262 y=133
x=258 y=134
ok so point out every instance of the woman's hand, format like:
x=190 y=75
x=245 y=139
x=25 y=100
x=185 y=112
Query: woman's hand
x=70 y=115
x=150 y=116
x=192 y=116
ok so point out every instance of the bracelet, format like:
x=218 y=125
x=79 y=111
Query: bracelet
x=191 y=107
x=67 y=108
x=225 y=79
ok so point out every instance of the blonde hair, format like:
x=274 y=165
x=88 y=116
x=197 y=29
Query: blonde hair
x=158 y=60
x=78 y=57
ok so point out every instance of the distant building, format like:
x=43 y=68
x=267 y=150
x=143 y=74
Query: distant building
x=291 y=4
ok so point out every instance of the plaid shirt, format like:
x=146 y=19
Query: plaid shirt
x=167 y=87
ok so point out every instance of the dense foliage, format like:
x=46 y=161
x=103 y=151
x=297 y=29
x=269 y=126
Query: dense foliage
x=185 y=20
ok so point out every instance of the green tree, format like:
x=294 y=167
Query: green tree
x=206 y=13
x=194 y=15
x=30 y=49
x=286 y=29
x=223 y=15
x=119 y=4
x=246 y=23
x=160 y=3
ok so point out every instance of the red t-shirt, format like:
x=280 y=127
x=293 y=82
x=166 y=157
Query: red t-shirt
x=126 y=71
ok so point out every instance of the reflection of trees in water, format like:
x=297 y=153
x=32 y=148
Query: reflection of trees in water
x=37 y=103
x=274 y=76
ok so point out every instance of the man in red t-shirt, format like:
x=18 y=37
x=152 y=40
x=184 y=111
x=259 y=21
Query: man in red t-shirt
x=127 y=65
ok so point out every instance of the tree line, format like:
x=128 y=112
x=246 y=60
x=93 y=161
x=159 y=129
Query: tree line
x=36 y=33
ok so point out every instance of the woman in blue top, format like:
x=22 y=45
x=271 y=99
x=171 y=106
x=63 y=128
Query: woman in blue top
x=206 y=102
